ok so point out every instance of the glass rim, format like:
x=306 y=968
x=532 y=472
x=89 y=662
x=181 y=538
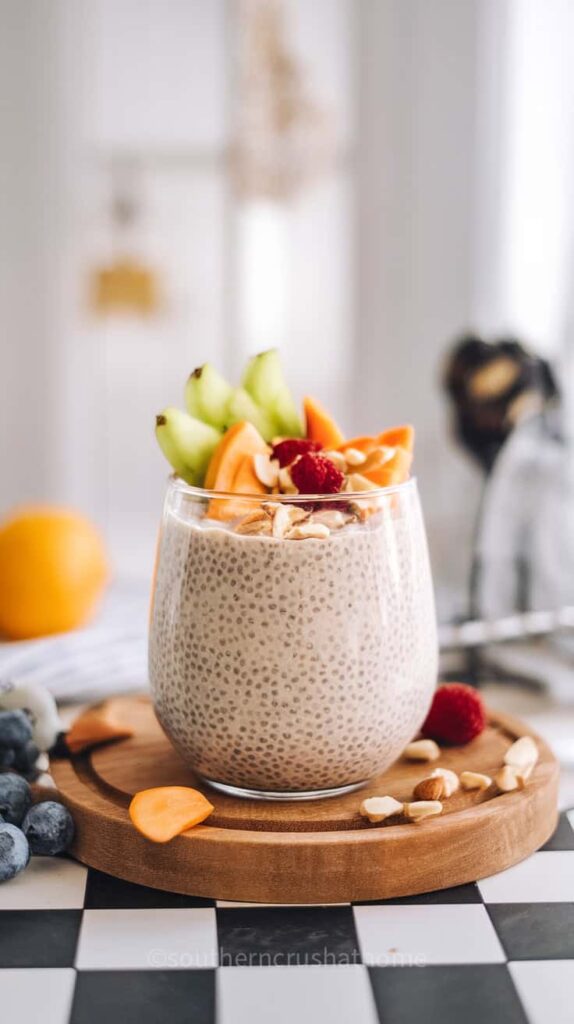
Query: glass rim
x=176 y=483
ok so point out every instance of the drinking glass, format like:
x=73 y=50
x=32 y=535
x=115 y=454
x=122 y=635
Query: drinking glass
x=287 y=668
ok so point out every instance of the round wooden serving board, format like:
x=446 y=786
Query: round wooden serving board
x=311 y=852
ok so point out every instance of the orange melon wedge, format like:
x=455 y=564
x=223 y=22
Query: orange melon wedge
x=321 y=427
x=398 y=437
x=231 y=469
x=365 y=443
x=97 y=725
x=165 y=812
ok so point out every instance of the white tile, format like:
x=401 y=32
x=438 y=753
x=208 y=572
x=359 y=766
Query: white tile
x=543 y=878
x=257 y=995
x=546 y=988
x=48 y=883
x=431 y=934
x=236 y=903
x=147 y=939
x=35 y=995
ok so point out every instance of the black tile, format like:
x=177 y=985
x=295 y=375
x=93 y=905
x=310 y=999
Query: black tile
x=563 y=838
x=104 y=892
x=286 y=936
x=458 y=894
x=535 y=931
x=39 y=938
x=144 y=997
x=473 y=993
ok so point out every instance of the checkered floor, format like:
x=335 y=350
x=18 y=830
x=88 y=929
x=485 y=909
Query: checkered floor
x=79 y=946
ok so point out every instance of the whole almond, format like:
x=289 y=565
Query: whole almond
x=429 y=789
x=450 y=780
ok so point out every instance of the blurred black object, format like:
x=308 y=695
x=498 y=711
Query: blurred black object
x=493 y=386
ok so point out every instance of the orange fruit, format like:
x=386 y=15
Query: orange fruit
x=53 y=570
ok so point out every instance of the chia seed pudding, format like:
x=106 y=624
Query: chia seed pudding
x=293 y=665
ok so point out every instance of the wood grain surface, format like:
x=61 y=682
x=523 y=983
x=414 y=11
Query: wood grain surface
x=310 y=852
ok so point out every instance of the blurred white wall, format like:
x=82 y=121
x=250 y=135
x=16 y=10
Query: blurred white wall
x=409 y=240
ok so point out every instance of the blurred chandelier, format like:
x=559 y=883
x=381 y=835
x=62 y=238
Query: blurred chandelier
x=283 y=140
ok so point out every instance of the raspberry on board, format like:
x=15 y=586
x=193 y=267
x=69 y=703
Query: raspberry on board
x=456 y=716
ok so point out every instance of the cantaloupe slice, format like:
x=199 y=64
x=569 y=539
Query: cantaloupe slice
x=241 y=439
x=96 y=725
x=232 y=470
x=394 y=470
x=398 y=437
x=321 y=427
x=224 y=443
x=365 y=443
x=167 y=811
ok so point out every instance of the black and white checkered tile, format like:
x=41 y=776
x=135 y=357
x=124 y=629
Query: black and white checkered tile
x=78 y=946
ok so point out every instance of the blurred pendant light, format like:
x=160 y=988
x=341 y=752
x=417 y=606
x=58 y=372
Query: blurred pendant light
x=126 y=284
x=284 y=139
x=283 y=142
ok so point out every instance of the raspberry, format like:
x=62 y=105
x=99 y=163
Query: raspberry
x=456 y=716
x=286 y=451
x=314 y=474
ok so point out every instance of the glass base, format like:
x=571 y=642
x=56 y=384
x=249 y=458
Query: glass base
x=273 y=794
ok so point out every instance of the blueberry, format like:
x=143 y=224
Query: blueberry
x=49 y=828
x=15 y=797
x=7 y=757
x=25 y=758
x=15 y=728
x=14 y=851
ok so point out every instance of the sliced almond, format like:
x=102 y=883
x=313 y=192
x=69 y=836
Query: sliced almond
x=523 y=775
x=285 y=481
x=522 y=753
x=281 y=522
x=332 y=518
x=266 y=469
x=296 y=514
x=377 y=808
x=422 y=750
x=450 y=780
x=353 y=457
x=256 y=528
x=421 y=809
x=309 y=531
x=257 y=516
x=337 y=458
x=429 y=789
x=506 y=779
x=475 y=780
x=356 y=482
